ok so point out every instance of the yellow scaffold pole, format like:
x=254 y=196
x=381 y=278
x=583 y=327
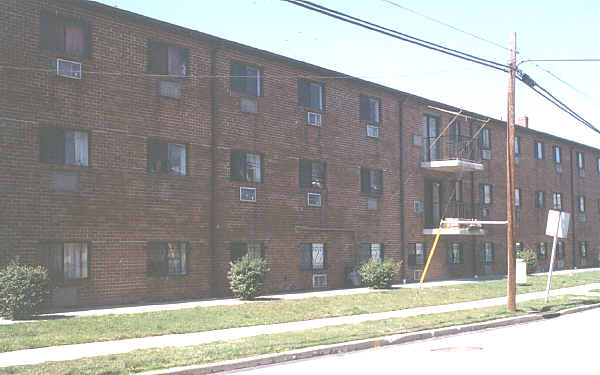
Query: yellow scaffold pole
x=437 y=237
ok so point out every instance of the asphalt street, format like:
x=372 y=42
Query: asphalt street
x=563 y=345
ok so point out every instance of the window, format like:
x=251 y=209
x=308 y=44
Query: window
x=314 y=199
x=540 y=200
x=370 y=251
x=372 y=131
x=247 y=194
x=598 y=164
x=580 y=161
x=312 y=174
x=167 y=59
x=518 y=247
x=371 y=181
x=454 y=131
x=517 y=197
x=541 y=250
x=557 y=154
x=416 y=254
x=313 y=256
x=164 y=157
x=454 y=253
x=167 y=258
x=557 y=201
x=456 y=195
x=598 y=204
x=238 y=250
x=484 y=138
x=538 y=150
x=246 y=166
x=369 y=109
x=245 y=78
x=64 y=35
x=58 y=146
x=583 y=249
x=581 y=203
x=560 y=250
x=517 y=145
x=310 y=94
x=487 y=252
x=485 y=194
x=67 y=261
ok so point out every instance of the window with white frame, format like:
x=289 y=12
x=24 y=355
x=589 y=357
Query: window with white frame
x=312 y=256
x=168 y=158
x=310 y=94
x=557 y=154
x=314 y=199
x=416 y=254
x=581 y=203
x=245 y=78
x=454 y=253
x=517 y=145
x=312 y=174
x=246 y=166
x=247 y=194
x=557 y=201
x=371 y=251
x=580 y=160
x=485 y=193
x=540 y=199
x=59 y=146
x=598 y=165
x=67 y=260
x=487 y=252
x=370 y=109
x=517 y=197
x=167 y=258
x=538 y=150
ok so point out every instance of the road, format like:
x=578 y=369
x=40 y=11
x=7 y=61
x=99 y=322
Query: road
x=563 y=345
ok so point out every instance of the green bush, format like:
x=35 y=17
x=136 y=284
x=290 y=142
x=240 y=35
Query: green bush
x=23 y=290
x=247 y=277
x=378 y=274
x=530 y=259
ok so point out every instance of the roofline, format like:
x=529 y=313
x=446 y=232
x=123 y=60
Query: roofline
x=136 y=17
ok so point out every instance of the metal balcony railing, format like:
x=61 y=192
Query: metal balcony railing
x=457 y=210
x=451 y=148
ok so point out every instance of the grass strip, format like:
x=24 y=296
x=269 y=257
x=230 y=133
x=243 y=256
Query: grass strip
x=161 y=358
x=117 y=327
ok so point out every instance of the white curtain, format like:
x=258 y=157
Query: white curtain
x=318 y=260
x=76 y=148
x=253 y=167
x=376 y=251
x=75 y=261
x=177 y=158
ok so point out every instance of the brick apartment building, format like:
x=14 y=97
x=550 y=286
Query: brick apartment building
x=138 y=158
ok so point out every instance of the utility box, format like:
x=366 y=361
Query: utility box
x=521 y=271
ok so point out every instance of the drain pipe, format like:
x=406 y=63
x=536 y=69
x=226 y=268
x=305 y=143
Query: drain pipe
x=402 y=213
x=573 y=208
x=213 y=169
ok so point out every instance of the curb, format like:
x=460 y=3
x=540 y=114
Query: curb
x=317 y=351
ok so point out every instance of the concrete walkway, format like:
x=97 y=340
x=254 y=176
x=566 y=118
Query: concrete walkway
x=71 y=352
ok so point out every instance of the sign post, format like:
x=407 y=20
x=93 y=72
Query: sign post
x=557 y=227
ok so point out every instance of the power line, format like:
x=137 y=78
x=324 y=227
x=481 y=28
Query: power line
x=398 y=35
x=558 y=60
x=446 y=24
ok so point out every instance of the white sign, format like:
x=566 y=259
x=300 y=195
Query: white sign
x=553 y=223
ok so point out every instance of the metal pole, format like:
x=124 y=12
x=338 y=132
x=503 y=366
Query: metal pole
x=552 y=259
x=510 y=178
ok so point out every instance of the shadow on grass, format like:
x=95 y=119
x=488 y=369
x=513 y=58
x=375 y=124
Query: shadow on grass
x=547 y=309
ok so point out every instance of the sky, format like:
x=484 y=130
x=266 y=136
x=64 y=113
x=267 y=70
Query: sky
x=544 y=30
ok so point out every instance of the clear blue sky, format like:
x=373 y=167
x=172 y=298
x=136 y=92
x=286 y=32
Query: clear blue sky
x=545 y=29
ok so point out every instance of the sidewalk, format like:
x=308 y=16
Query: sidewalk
x=71 y=352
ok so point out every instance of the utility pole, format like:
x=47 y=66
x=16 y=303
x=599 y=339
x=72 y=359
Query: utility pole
x=510 y=178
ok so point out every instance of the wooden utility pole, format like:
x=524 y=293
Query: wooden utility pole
x=510 y=178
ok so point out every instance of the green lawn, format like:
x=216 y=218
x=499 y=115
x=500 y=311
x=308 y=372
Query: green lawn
x=153 y=359
x=115 y=327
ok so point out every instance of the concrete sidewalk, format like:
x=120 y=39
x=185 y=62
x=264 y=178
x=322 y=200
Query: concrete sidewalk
x=71 y=352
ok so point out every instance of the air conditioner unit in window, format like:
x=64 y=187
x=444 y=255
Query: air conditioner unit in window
x=372 y=131
x=314 y=199
x=247 y=194
x=314 y=118
x=417 y=275
x=68 y=69
x=319 y=281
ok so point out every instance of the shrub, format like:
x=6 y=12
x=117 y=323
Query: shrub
x=530 y=259
x=378 y=274
x=23 y=290
x=247 y=277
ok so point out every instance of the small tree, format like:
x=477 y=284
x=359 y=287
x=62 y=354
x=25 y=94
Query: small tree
x=23 y=290
x=247 y=277
x=530 y=259
x=378 y=274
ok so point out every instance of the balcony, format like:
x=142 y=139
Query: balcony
x=451 y=154
x=457 y=217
